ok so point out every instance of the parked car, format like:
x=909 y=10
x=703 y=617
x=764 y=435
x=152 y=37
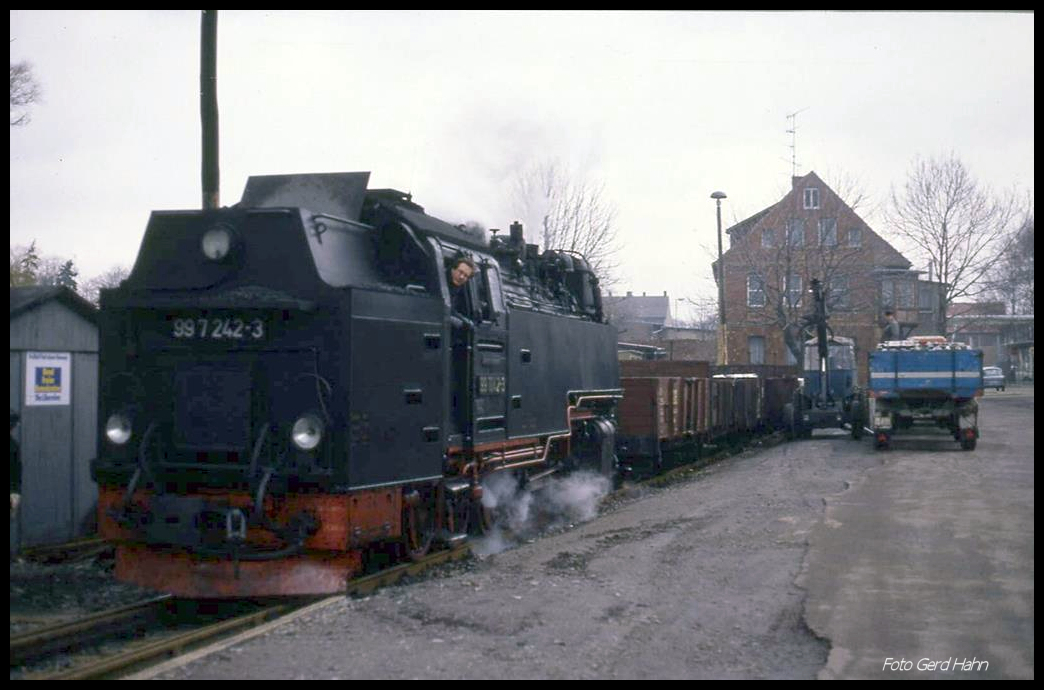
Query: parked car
x=993 y=377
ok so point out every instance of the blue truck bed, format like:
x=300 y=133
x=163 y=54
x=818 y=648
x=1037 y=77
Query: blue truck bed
x=915 y=372
x=927 y=382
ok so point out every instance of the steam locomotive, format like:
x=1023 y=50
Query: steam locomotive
x=284 y=386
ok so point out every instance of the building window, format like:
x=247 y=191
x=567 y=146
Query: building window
x=756 y=348
x=925 y=298
x=796 y=233
x=768 y=237
x=904 y=294
x=828 y=232
x=898 y=294
x=838 y=292
x=887 y=294
x=855 y=237
x=793 y=290
x=812 y=198
x=755 y=291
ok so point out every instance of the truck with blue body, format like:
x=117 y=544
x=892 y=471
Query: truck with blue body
x=924 y=381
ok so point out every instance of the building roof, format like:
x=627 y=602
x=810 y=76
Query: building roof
x=885 y=255
x=655 y=310
x=741 y=228
x=24 y=299
x=976 y=309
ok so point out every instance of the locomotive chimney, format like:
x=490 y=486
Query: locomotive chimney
x=517 y=236
x=208 y=109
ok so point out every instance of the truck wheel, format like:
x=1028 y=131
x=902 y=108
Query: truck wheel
x=968 y=441
x=882 y=440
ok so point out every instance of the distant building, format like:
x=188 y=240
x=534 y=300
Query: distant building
x=638 y=318
x=811 y=233
x=646 y=320
x=1006 y=340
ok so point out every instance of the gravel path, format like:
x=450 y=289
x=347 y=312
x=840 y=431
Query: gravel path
x=693 y=580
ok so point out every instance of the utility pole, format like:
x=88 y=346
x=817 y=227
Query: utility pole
x=208 y=110
x=723 y=341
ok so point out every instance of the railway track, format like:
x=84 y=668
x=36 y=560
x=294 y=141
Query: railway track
x=148 y=647
x=158 y=651
x=76 y=550
x=67 y=635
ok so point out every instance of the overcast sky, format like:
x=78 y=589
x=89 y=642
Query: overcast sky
x=663 y=107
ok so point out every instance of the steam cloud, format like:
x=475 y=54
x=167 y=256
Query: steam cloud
x=522 y=513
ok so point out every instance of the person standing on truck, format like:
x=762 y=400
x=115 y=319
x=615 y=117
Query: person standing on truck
x=892 y=329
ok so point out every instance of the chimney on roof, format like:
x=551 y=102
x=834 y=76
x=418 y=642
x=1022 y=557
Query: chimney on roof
x=629 y=293
x=664 y=293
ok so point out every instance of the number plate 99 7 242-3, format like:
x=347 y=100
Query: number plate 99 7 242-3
x=236 y=328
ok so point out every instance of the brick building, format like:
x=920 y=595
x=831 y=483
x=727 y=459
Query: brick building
x=811 y=233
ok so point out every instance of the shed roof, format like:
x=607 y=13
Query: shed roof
x=24 y=299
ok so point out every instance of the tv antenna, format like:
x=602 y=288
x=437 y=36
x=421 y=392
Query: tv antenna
x=793 y=140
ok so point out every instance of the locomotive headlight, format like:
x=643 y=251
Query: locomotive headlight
x=217 y=242
x=118 y=428
x=307 y=431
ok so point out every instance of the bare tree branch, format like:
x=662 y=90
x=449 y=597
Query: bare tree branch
x=92 y=287
x=962 y=229
x=563 y=212
x=24 y=92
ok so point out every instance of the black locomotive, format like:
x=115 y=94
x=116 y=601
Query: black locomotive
x=284 y=384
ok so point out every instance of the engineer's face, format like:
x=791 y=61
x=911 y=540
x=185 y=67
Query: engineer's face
x=460 y=274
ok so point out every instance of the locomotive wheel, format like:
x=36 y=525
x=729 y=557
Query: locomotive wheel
x=459 y=514
x=419 y=522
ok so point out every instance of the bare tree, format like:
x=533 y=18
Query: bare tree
x=92 y=287
x=54 y=270
x=567 y=213
x=958 y=227
x=1011 y=278
x=24 y=92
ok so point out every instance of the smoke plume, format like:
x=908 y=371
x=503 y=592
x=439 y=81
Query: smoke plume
x=524 y=512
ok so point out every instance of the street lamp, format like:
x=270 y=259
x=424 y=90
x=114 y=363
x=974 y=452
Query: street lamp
x=723 y=351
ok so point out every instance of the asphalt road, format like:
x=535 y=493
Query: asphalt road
x=924 y=569
x=819 y=558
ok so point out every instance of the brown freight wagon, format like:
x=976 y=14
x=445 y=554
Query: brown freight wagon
x=657 y=414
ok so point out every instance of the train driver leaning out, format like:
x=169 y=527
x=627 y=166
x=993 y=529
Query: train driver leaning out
x=462 y=271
